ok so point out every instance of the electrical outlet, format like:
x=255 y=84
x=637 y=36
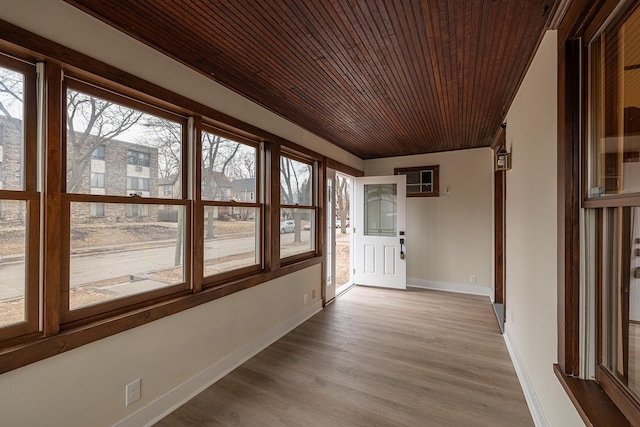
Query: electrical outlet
x=472 y=278
x=313 y=293
x=132 y=392
x=306 y=298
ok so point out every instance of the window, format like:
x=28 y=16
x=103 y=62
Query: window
x=229 y=174
x=19 y=201
x=380 y=205
x=120 y=260
x=121 y=129
x=97 y=179
x=138 y=159
x=297 y=206
x=97 y=209
x=149 y=144
x=612 y=202
x=134 y=211
x=422 y=181
x=138 y=184
x=98 y=153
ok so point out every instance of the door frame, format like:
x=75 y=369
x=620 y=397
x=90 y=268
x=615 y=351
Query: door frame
x=500 y=234
x=337 y=167
x=329 y=290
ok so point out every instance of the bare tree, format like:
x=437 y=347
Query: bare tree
x=343 y=191
x=92 y=122
x=166 y=136
x=295 y=189
x=11 y=93
x=217 y=154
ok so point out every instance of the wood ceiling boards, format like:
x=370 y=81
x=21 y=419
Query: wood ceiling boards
x=378 y=78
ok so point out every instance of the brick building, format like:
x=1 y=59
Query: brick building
x=11 y=166
x=117 y=168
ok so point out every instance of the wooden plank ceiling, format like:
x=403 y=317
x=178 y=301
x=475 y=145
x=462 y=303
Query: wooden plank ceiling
x=378 y=78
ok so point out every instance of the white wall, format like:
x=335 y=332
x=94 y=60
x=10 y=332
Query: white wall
x=86 y=386
x=449 y=237
x=531 y=239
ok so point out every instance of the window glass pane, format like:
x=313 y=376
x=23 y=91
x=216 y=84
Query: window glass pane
x=12 y=261
x=231 y=238
x=98 y=153
x=97 y=180
x=228 y=170
x=296 y=186
x=615 y=161
x=413 y=177
x=97 y=209
x=11 y=130
x=297 y=231
x=127 y=251
x=414 y=188
x=124 y=145
x=343 y=265
x=426 y=177
x=621 y=295
x=380 y=204
x=420 y=181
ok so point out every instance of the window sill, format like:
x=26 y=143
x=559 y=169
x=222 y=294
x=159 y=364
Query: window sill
x=38 y=348
x=593 y=405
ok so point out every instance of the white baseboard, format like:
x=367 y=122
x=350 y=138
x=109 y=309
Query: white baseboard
x=530 y=396
x=451 y=287
x=167 y=403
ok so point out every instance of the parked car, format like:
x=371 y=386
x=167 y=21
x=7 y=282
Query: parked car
x=288 y=226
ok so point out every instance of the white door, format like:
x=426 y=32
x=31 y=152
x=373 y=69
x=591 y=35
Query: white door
x=379 y=227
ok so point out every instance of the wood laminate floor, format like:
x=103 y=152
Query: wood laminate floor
x=374 y=357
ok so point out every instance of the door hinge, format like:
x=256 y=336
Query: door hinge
x=354 y=271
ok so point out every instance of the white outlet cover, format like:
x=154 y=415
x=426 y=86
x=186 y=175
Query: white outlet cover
x=132 y=392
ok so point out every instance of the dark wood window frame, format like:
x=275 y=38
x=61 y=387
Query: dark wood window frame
x=85 y=314
x=435 y=183
x=604 y=401
x=201 y=205
x=30 y=195
x=57 y=334
x=312 y=206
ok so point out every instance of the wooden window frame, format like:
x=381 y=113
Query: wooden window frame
x=604 y=401
x=31 y=196
x=217 y=279
x=55 y=336
x=435 y=170
x=312 y=207
x=78 y=316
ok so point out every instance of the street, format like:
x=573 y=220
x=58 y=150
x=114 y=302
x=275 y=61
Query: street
x=93 y=267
